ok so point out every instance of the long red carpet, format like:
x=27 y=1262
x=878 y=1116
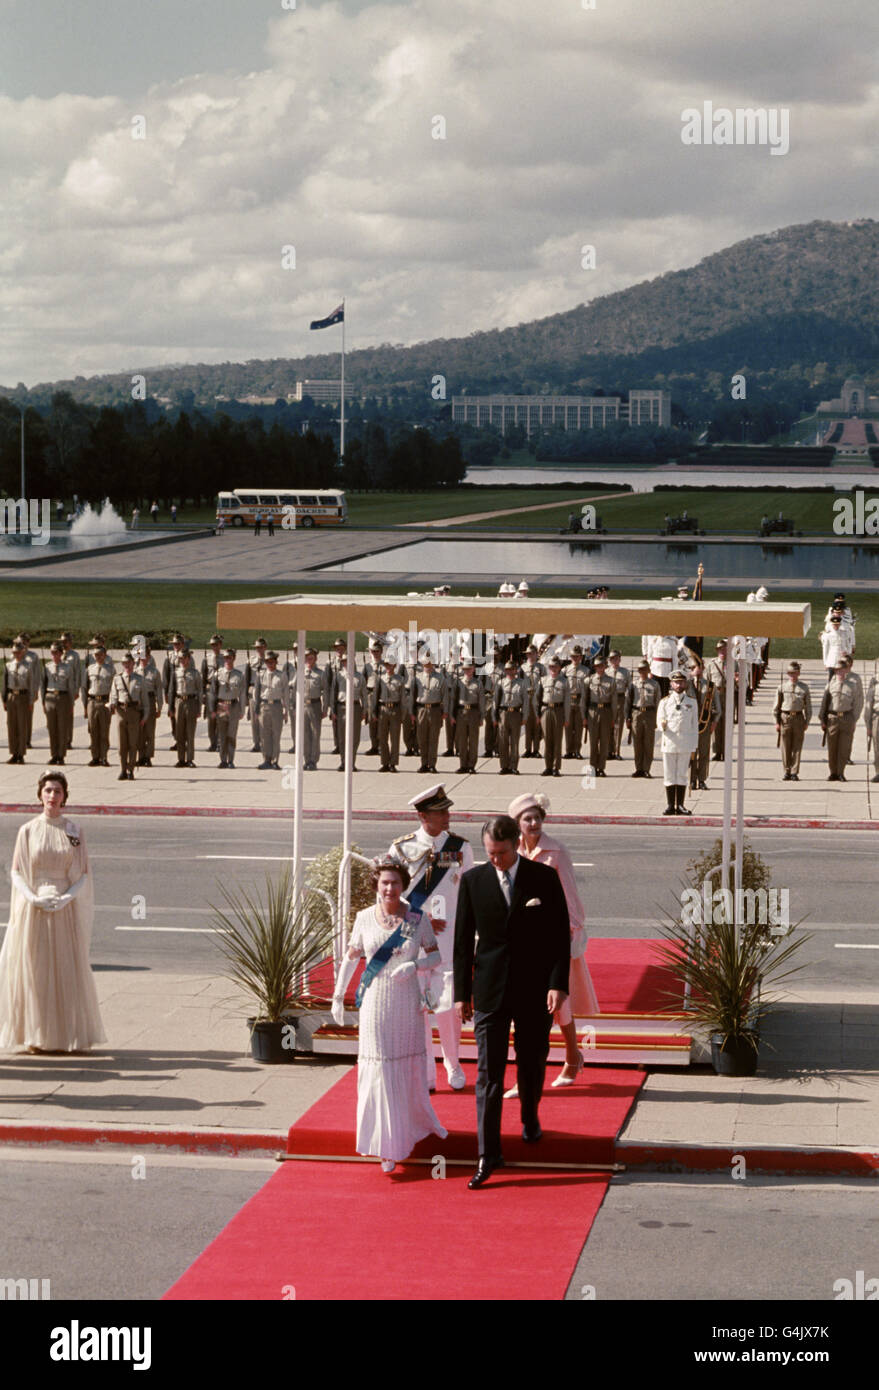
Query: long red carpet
x=336 y=1230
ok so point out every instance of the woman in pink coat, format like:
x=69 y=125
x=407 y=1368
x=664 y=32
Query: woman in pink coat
x=530 y=811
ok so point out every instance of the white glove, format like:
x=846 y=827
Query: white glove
x=27 y=893
x=401 y=972
x=63 y=900
x=347 y=967
x=429 y=962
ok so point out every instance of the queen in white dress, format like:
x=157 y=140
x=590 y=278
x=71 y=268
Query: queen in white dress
x=48 y=1000
x=393 y=1103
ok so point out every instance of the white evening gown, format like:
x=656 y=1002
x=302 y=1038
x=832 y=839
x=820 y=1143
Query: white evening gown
x=47 y=991
x=393 y=1102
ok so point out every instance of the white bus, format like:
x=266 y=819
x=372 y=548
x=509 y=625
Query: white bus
x=305 y=507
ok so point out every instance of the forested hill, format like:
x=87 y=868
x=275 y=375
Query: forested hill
x=799 y=304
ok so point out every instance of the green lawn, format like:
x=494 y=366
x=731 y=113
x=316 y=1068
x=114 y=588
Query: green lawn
x=121 y=610
x=725 y=511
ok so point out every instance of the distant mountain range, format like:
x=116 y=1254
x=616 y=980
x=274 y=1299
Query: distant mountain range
x=798 y=309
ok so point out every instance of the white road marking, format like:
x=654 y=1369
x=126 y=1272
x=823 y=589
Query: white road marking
x=202 y=931
x=854 y=946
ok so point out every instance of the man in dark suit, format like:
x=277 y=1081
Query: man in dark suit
x=517 y=972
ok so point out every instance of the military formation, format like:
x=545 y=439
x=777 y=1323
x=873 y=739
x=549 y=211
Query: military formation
x=567 y=699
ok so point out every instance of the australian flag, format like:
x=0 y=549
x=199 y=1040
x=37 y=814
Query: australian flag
x=335 y=317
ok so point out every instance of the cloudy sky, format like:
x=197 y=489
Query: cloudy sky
x=267 y=127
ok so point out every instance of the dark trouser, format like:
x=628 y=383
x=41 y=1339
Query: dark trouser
x=600 y=735
x=643 y=737
x=840 y=735
x=467 y=735
x=574 y=731
x=492 y=1031
x=429 y=722
x=552 y=722
x=99 y=728
x=146 y=743
x=700 y=764
x=16 y=722
x=793 y=731
x=59 y=721
x=491 y=736
x=720 y=733
x=532 y=734
x=509 y=731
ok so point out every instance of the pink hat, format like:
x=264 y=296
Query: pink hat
x=526 y=801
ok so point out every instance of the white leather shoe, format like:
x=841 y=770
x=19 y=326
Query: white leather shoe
x=511 y=1093
x=564 y=1077
x=388 y=1165
x=457 y=1079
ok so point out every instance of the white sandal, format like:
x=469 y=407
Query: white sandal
x=562 y=1080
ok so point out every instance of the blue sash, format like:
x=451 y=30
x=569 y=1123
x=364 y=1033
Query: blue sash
x=377 y=963
x=417 y=896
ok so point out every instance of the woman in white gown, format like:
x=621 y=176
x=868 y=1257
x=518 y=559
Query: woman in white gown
x=393 y=1102
x=48 y=1000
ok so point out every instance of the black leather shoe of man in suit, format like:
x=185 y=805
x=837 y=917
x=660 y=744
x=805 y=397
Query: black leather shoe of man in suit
x=484 y=1169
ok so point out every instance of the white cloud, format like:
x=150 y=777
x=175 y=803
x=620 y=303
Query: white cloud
x=562 y=128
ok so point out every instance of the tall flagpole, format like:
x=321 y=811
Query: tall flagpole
x=342 y=436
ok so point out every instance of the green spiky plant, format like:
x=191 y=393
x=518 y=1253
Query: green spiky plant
x=268 y=943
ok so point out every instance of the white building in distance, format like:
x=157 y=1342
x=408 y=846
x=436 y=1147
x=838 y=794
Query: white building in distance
x=563 y=412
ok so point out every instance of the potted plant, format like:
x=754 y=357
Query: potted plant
x=724 y=967
x=269 y=943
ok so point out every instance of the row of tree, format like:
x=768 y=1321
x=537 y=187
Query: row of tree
x=136 y=453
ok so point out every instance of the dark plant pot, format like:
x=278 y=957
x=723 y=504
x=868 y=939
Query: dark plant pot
x=735 y=1056
x=267 y=1041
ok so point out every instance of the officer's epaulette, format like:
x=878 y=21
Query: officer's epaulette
x=402 y=839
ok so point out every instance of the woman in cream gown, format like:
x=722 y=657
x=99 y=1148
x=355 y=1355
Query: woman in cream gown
x=393 y=1102
x=48 y=1000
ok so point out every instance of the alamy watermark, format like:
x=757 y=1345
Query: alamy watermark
x=441 y=645
x=856 y=516
x=25 y=516
x=752 y=906
x=744 y=125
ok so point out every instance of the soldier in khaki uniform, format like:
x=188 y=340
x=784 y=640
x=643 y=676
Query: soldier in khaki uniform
x=533 y=671
x=467 y=707
x=512 y=702
x=840 y=707
x=227 y=700
x=372 y=671
x=316 y=694
x=58 y=690
x=339 y=710
x=452 y=672
x=255 y=663
x=577 y=674
x=35 y=671
x=554 y=709
x=333 y=666
x=187 y=698
x=717 y=675
x=600 y=708
x=703 y=690
x=97 y=679
x=642 y=702
x=127 y=702
x=792 y=711
x=16 y=698
x=272 y=700
x=74 y=661
x=389 y=704
x=212 y=662
x=428 y=699
x=172 y=658
x=490 y=674
x=622 y=678
x=871 y=719
x=152 y=707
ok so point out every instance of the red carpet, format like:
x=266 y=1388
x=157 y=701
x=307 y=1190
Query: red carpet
x=347 y=1231
x=335 y=1230
x=629 y=976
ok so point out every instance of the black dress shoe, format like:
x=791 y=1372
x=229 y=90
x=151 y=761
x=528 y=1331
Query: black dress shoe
x=531 y=1133
x=484 y=1169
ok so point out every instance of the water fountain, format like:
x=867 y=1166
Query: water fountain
x=93 y=528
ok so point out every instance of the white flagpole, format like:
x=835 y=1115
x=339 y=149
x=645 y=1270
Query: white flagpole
x=342 y=436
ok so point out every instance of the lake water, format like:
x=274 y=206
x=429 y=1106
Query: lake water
x=636 y=561
x=646 y=479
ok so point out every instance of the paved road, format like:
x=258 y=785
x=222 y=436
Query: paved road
x=627 y=875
